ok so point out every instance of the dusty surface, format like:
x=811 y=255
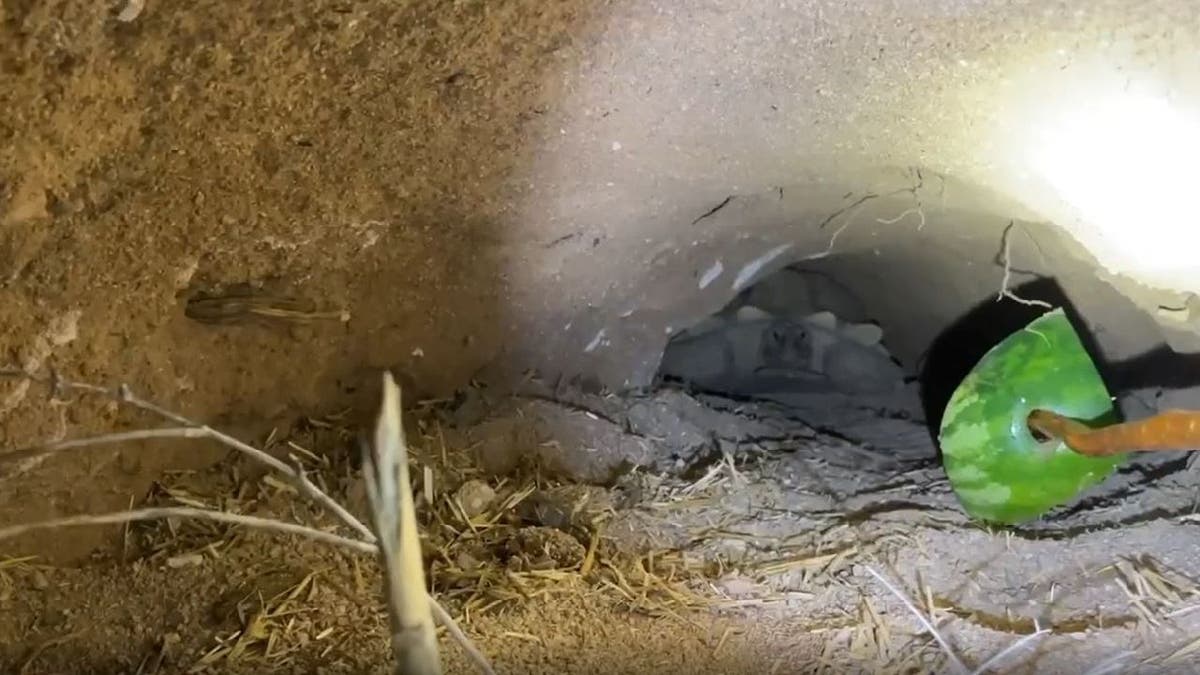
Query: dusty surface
x=441 y=188
x=709 y=136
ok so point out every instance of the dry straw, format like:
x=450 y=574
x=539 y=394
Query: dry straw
x=392 y=500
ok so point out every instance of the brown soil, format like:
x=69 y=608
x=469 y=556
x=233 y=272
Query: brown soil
x=185 y=596
x=350 y=155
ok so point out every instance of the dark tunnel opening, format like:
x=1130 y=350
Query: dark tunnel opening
x=801 y=332
x=956 y=350
x=801 y=338
x=797 y=331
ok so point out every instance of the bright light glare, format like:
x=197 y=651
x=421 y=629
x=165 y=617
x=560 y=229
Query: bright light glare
x=1131 y=168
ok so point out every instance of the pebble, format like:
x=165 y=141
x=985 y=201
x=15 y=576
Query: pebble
x=475 y=496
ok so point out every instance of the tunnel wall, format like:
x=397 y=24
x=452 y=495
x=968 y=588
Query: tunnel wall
x=688 y=136
x=920 y=258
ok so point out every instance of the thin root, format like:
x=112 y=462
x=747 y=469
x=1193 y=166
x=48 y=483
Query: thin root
x=1004 y=292
x=904 y=214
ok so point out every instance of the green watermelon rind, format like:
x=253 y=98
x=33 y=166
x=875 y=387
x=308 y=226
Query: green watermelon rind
x=998 y=471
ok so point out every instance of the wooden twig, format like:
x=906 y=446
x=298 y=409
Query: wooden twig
x=443 y=617
x=191 y=429
x=123 y=395
x=1008 y=651
x=159 y=513
x=389 y=490
x=46 y=449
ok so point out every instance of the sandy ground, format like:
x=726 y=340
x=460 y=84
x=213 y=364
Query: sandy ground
x=749 y=541
x=329 y=178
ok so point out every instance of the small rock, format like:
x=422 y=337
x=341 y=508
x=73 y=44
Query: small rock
x=737 y=586
x=542 y=510
x=466 y=562
x=39 y=581
x=733 y=549
x=185 y=560
x=475 y=496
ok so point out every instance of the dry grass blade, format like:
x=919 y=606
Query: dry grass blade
x=122 y=394
x=1109 y=665
x=191 y=429
x=1188 y=649
x=1005 y=653
x=160 y=513
x=443 y=617
x=35 y=451
x=389 y=490
x=958 y=664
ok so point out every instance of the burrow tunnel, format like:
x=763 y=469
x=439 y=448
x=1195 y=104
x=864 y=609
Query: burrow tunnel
x=932 y=282
x=717 y=267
